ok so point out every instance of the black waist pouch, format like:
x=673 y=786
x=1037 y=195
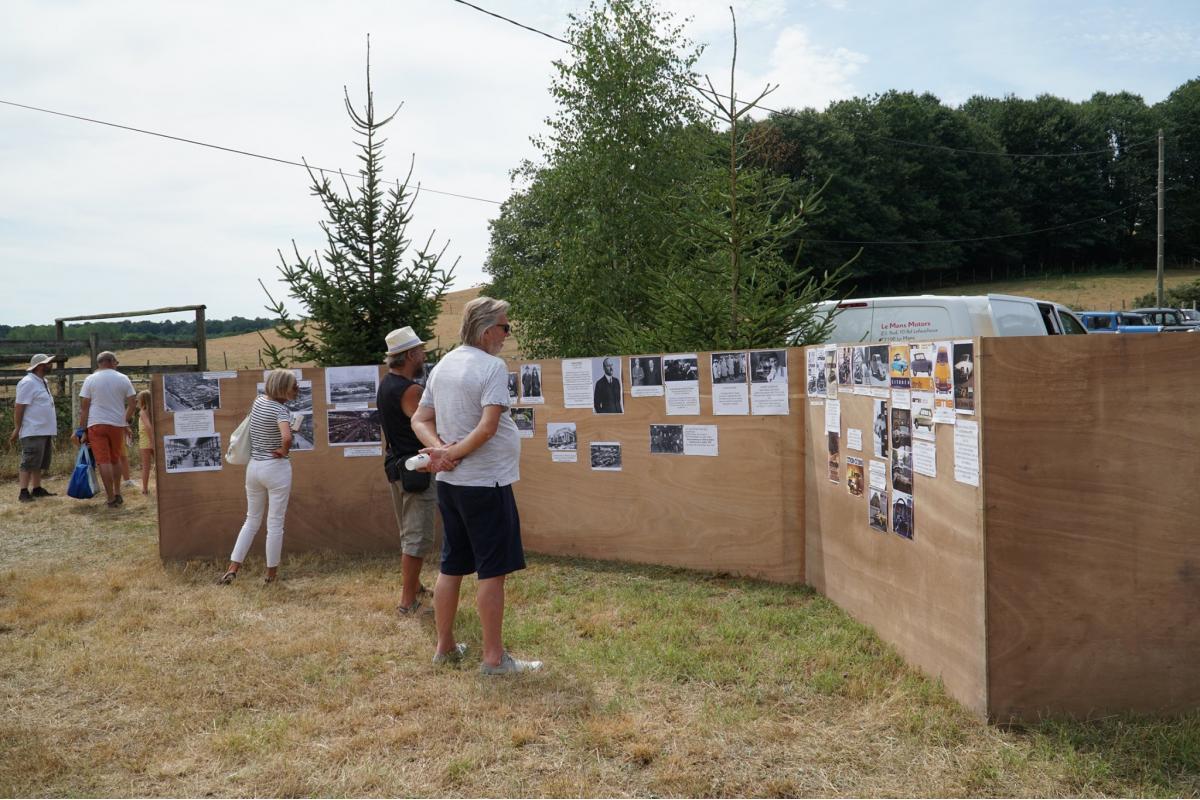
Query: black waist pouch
x=410 y=481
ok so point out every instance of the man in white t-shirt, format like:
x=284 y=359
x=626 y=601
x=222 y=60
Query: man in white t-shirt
x=106 y=405
x=36 y=424
x=475 y=449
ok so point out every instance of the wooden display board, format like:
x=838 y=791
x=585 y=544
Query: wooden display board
x=337 y=503
x=1093 y=539
x=739 y=513
x=924 y=595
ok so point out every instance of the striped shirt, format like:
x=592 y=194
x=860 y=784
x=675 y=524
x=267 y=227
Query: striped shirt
x=265 y=416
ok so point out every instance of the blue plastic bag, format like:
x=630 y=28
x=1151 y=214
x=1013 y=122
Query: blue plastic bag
x=84 y=482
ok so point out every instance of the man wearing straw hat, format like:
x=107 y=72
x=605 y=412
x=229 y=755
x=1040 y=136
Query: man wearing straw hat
x=414 y=495
x=36 y=424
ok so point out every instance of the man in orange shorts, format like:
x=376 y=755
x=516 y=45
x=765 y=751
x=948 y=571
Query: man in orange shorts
x=106 y=405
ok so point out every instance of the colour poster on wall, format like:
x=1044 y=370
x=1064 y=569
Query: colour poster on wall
x=899 y=375
x=943 y=385
x=964 y=377
x=855 y=478
x=921 y=404
x=920 y=365
x=877 y=509
x=835 y=456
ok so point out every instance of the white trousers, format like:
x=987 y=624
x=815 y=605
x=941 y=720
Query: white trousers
x=268 y=485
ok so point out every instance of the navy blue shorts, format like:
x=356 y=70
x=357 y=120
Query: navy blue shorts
x=482 y=532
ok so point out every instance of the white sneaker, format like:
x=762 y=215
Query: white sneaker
x=452 y=657
x=509 y=666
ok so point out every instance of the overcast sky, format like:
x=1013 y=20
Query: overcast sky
x=95 y=219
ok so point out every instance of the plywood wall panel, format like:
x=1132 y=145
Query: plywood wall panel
x=1093 y=544
x=924 y=596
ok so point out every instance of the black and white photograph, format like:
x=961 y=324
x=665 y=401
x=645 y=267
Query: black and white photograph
x=560 y=436
x=877 y=366
x=859 y=366
x=845 y=368
x=877 y=509
x=901 y=430
x=303 y=402
x=354 y=426
x=523 y=419
x=666 y=439
x=902 y=514
x=645 y=376
x=902 y=469
x=605 y=456
x=880 y=428
x=835 y=455
x=303 y=437
x=681 y=380
x=531 y=383
x=346 y=386
x=192 y=453
x=728 y=368
x=770 y=366
x=681 y=368
x=190 y=391
x=512 y=388
x=816 y=380
x=607 y=397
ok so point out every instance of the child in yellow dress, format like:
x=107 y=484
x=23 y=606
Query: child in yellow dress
x=145 y=436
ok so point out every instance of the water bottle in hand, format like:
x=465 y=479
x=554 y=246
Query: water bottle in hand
x=417 y=462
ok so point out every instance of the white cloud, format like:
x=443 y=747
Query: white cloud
x=808 y=75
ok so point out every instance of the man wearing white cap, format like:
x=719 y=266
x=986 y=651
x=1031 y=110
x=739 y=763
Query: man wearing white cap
x=414 y=496
x=36 y=424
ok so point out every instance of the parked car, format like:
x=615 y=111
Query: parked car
x=1191 y=316
x=1171 y=319
x=1117 y=322
x=923 y=418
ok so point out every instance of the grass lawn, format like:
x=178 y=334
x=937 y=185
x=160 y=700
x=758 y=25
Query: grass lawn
x=122 y=676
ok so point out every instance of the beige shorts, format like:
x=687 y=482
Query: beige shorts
x=415 y=515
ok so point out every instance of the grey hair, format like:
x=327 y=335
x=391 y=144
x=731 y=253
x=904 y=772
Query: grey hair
x=279 y=384
x=479 y=315
x=106 y=356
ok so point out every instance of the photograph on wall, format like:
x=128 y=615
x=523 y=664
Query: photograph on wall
x=845 y=368
x=681 y=376
x=964 y=377
x=605 y=456
x=523 y=419
x=901 y=445
x=304 y=396
x=303 y=434
x=349 y=426
x=858 y=369
x=666 y=439
x=921 y=406
x=607 y=395
x=769 y=385
x=190 y=391
x=513 y=393
x=835 y=456
x=560 y=435
x=877 y=509
x=351 y=386
x=815 y=357
x=879 y=429
x=830 y=371
x=192 y=453
x=902 y=514
x=943 y=385
x=645 y=376
x=531 y=384
x=855 y=476
x=920 y=364
x=877 y=367
x=898 y=372
x=730 y=393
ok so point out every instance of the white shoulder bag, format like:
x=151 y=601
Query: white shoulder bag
x=239 y=444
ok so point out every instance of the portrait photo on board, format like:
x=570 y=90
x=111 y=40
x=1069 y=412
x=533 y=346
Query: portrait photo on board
x=191 y=391
x=354 y=426
x=666 y=439
x=192 y=453
x=512 y=388
x=531 y=383
x=770 y=366
x=607 y=397
x=728 y=368
x=605 y=456
x=645 y=371
x=877 y=509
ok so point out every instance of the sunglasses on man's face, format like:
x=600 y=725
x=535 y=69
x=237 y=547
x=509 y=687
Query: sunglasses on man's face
x=505 y=326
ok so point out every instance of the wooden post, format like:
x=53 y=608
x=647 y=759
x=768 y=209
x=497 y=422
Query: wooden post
x=94 y=347
x=201 y=341
x=60 y=355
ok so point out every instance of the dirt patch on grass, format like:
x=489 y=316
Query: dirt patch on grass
x=122 y=676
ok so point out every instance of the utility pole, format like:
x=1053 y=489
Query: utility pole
x=1160 y=218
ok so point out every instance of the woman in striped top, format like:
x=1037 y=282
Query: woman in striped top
x=269 y=473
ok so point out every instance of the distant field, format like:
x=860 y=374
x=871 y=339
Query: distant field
x=1084 y=292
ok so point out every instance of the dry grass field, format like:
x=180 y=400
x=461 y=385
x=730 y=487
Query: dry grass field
x=1084 y=291
x=120 y=676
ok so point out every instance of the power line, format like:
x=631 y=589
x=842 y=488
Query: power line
x=793 y=115
x=222 y=148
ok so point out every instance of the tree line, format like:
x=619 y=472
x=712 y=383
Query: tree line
x=140 y=329
x=636 y=211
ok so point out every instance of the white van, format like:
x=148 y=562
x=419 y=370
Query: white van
x=927 y=317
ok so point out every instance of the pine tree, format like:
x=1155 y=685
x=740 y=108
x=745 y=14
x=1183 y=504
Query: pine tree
x=361 y=289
